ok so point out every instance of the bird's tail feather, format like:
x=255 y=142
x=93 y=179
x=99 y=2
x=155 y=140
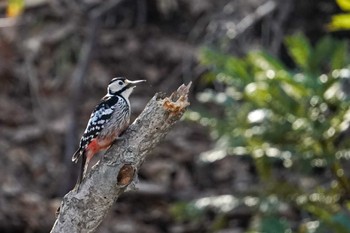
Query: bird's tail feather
x=81 y=172
x=77 y=155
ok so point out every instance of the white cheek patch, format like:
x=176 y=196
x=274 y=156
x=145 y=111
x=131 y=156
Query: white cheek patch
x=114 y=87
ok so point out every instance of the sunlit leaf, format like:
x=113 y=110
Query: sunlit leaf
x=14 y=8
x=344 y=4
x=299 y=49
x=264 y=61
x=339 y=22
x=259 y=93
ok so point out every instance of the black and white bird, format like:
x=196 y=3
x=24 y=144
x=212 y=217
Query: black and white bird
x=110 y=118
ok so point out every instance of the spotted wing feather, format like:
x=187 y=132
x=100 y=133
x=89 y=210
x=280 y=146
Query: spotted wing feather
x=98 y=119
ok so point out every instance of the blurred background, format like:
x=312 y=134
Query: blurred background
x=264 y=146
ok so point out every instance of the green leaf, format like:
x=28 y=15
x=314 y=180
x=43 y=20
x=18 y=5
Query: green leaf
x=329 y=54
x=264 y=61
x=321 y=54
x=259 y=93
x=340 y=53
x=238 y=68
x=344 y=4
x=228 y=69
x=339 y=22
x=300 y=50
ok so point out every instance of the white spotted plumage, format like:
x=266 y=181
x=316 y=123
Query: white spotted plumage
x=100 y=116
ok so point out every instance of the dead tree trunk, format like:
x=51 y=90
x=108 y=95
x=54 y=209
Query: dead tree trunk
x=84 y=211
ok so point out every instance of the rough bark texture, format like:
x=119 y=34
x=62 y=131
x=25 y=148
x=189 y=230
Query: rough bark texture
x=83 y=211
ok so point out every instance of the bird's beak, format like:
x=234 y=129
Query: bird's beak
x=134 y=83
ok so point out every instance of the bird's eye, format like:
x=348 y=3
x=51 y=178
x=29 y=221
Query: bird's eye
x=120 y=83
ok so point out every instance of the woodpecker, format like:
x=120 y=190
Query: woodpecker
x=109 y=119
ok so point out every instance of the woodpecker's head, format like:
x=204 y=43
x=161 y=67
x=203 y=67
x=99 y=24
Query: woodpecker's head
x=122 y=86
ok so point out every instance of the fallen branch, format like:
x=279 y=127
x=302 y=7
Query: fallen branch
x=83 y=211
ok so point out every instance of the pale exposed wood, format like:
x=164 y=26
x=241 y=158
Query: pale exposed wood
x=83 y=211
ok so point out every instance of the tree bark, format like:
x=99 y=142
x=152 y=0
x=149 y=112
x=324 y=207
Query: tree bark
x=83 y=211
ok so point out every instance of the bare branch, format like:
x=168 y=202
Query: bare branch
x=83 y=211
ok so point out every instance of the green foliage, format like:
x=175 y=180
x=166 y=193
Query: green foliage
x=327 y=54
x=300 y=50
x=294 y=117
x=341 y=21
